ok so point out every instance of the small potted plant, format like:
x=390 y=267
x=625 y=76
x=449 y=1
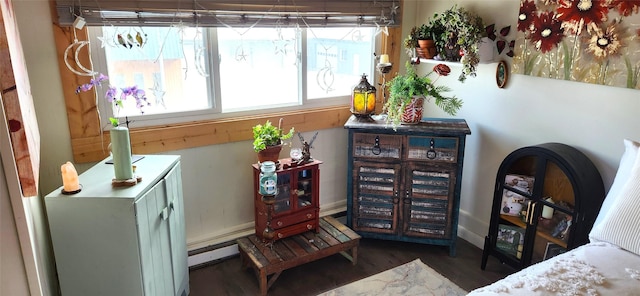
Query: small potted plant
x=407 y=93
x=427 y=34
x=268 y=140
x=460 y=38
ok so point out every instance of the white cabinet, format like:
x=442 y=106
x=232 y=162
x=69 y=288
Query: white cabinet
x=122 y=240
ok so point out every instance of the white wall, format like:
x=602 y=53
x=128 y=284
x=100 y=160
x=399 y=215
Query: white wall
x=218 y=197
x=530 y=110
x=13 y=276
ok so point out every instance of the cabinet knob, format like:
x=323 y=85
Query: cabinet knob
x=309 y=226
x=431 y=153
x=407 y=198
x=309 y=216
x=279 y=223
x=376 y=150
x=279 y=235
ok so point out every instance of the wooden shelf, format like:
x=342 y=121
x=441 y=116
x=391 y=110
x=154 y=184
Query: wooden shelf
x=450 y=63
x=516 y=221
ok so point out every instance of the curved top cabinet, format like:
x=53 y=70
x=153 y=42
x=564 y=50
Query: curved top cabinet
x=546 y=199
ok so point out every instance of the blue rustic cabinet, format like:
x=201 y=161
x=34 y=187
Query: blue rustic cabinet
x=404 y=183
x=122 y=240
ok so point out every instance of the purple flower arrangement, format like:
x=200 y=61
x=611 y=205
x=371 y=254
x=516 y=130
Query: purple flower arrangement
x=117 y=96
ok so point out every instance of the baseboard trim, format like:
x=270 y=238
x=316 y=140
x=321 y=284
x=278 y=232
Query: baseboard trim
x=214 y=252
x=220 y=251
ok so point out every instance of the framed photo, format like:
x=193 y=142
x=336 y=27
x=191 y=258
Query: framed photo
x=502 y=74
x=512 y=203
x=553 y=250
x=520 y=182
x=510 y=240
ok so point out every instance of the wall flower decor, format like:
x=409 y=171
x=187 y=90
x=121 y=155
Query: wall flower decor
x=588 y=41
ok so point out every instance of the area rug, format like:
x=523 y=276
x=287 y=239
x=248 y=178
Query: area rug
x=413 y=278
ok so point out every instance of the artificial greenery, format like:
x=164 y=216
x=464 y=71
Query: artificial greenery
x=403 y=88
x=411 y=41
x=268 y=135
x=467 y=29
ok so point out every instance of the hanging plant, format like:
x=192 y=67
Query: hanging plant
x=463 y=29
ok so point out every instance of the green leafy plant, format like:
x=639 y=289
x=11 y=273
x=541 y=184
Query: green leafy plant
x=411 y=41
x=465 y=29
x=402 y=88
x=265 y=135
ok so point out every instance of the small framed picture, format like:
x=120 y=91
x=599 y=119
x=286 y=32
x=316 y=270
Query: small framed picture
x=553 y=250
x=502 y=74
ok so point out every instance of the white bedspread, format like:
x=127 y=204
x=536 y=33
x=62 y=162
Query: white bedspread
x=597 y=268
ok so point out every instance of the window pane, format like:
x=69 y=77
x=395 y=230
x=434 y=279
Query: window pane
x=337 y=57
x=258 y=68
x=168 y=63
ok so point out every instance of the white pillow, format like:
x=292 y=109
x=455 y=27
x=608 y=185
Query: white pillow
x=627 y=160
x=621 y=223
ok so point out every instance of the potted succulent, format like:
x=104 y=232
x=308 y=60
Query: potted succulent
x=268 y=140
x=408 y=92
x=460 y=38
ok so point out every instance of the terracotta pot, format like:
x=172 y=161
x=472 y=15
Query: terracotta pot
x=428 y=48
x=271 y=153
x=421 y=52
x=413 y=111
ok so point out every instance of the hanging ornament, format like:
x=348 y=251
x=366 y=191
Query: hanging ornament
x=240 y=55
x=76 y=46
x=158 y=93
x=122 y=41
x=357 y=36
x=325 y=77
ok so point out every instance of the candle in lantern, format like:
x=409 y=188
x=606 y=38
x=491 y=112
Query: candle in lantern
x=70 y=180
x=384 y=59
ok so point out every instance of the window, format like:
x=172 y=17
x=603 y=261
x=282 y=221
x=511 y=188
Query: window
x=192 y=73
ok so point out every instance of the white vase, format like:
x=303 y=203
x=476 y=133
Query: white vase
x=121 y=150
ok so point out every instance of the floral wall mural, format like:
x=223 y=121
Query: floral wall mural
x=580 y=40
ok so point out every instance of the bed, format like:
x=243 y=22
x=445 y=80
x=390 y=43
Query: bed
x=609 y=264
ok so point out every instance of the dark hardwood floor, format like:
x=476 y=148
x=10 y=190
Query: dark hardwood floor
x=227 y=278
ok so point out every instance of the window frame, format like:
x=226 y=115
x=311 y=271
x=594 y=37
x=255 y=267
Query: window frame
x=214 y=92
x=89 y=142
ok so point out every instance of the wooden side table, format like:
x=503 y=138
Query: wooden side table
x=272 y=259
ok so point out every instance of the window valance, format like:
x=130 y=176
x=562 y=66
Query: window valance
x=237 y=13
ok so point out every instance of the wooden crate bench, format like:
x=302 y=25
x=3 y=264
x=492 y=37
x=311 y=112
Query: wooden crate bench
x=333 y=237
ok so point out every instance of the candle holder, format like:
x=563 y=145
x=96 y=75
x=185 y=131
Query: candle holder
x=384 y=69
x=72 y=191
x=268 y=234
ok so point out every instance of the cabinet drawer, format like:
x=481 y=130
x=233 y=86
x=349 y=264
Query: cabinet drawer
x=438 y=149
x=296 y=229
x=377 y=146
x=280 y=222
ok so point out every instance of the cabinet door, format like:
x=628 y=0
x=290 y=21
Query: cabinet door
x=536 y=200
x=555 y=214
x=427 y=200
x=152 y=212
x=173 y=182
x=307 y=188
x=375 y=196
x=283 y=203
